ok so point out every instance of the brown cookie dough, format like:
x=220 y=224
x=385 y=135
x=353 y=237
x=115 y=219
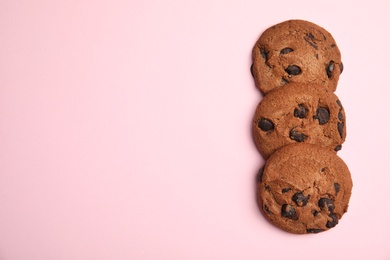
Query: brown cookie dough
x=304 y=188
x=298 y=112
x=296 y=51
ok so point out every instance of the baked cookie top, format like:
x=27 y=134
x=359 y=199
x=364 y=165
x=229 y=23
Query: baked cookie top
x=304 y=188
x=298 y=112
x=296 y=51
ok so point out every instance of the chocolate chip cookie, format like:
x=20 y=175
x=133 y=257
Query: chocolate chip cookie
x=299 y=113
x=304 y=188
x=296 y=51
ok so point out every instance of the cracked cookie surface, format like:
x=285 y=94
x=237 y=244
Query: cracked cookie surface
x=298 y=112
x=296 y=51
x=304 y=188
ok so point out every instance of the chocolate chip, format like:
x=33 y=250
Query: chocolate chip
x=300 y=199
x=340 y=128
x=309 y=38
x=336 y=187
x=339 y=104
x=340 y=116
x=252 y=70
x=300 y=111
x=315 y=213
x=284 y=190
x=265 y=124
x=338 y=148
x=260 y=174
x=322 y=114
x=288 y=211
x=296 y=136
x=293 y=70
x=284 y=81
x=286 y=50
x=341 y=67
x=333 y=45
x=312 y=44
x=329 y=69
x=264 y=53
x=314 y=230
x=266 y=209
x=325 y=203
x=316 y=56
x=334 y=221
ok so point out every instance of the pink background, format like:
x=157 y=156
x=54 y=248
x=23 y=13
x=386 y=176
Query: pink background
x=125 y=130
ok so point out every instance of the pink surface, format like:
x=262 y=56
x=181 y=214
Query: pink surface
x=125 y=130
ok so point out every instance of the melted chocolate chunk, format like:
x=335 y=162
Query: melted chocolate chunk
x=338 y=148
x=334 y=221
x=253 y=75
x=296 y=136
x=314 y=230
x=288 y=211
x=300 y=111
x=286 y=50
x=293 y=70
x=300 y=199
x=315 y=213
x=325 y=203
x=341 y=67
x=340 y=128
x=322 y=114
x=265 y=124
x=336 y=187
x=333 y=45
x=284 y=190
x=330 y=69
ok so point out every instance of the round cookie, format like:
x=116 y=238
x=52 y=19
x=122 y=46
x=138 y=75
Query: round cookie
x=296 y=51
x=304 y=188
x=298 y=112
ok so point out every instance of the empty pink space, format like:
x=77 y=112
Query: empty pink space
x=125 y=130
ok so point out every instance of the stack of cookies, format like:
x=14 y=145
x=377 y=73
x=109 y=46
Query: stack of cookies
x=299 y=126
